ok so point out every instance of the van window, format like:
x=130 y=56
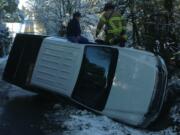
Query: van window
x=96 y=76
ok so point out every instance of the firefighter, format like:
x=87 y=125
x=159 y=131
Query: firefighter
x=114 y=26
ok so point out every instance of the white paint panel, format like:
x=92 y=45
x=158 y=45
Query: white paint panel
x=132 y=88
x=57 y=66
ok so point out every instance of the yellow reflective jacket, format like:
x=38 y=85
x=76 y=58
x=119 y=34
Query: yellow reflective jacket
x=114 y=24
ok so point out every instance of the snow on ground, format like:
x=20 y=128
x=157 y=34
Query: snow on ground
x=175 y=113
x=3 y=59
x=174 y=83
x=70 y=120
x=18 y=92
x=82 y=122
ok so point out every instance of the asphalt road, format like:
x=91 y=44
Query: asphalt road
x=21 y=112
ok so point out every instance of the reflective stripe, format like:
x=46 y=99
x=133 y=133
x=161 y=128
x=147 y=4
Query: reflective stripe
x=115 y=31
x=125 y=37
x=116 y=18
x=115 y=24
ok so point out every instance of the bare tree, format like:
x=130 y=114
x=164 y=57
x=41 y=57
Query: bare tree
x=52 y=13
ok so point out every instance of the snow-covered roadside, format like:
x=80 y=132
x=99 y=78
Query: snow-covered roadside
x=82 y=122
x=175 y=113
x=69 y=120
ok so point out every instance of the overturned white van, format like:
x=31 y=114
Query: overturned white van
x=126 y=84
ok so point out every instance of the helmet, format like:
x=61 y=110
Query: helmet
x=108 y=6
x=77 y=14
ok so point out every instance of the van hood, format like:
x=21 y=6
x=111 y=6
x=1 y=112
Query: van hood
x=133 y=84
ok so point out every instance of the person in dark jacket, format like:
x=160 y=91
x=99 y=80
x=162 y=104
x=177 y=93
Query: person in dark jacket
x=74 y=30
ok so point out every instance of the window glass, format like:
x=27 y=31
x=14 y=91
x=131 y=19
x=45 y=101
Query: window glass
x=96 y=75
